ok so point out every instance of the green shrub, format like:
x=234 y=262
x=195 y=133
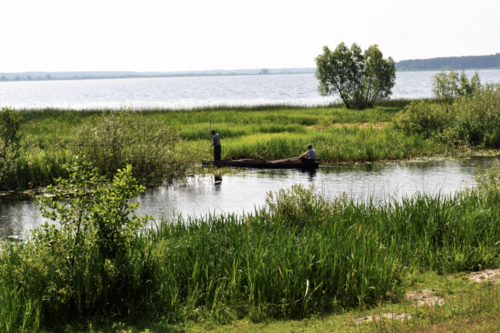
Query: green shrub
x=422 y=117
x=7 y=161
x=476 y=119
x=10 y=122
x=82 y=262
x=471 y=119
x=120 y=138
x=446 y=87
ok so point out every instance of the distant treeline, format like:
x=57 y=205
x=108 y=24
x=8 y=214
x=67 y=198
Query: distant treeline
x=488 y=61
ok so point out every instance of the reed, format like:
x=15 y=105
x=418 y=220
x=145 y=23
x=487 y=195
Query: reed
x=49 y=137
x=301 y=254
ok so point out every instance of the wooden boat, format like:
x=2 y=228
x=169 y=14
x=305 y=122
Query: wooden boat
x=290 y=163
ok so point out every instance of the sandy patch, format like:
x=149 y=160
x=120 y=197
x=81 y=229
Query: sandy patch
x=386 y=316
x=424 y=297
x=488 y=275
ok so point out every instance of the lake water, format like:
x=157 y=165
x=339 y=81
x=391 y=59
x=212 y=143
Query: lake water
x=189 y=92
x=244 y=191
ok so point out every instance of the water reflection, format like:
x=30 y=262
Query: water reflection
x=310 y=172
x=244 y=191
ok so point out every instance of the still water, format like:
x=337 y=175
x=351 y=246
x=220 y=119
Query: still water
x=243 y=192
x=189 y=92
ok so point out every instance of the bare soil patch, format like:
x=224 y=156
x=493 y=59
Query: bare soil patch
x=386 y=316
x=488 y=275
x=424 y=297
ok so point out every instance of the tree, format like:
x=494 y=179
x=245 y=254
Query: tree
x=360 y=79
x=447 y=86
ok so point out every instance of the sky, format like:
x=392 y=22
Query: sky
x=153 y=35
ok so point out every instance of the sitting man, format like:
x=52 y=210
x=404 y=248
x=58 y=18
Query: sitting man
x=309 y=156
x=216 y=144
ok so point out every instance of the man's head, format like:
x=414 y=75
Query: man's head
x=309 y=146
x=212 y=132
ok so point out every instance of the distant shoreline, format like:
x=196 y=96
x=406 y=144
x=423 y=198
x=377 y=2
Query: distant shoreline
x=204 y=75
x=145 y=77
x=445 y=69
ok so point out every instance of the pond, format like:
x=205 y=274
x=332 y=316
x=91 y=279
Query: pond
x=244 y=191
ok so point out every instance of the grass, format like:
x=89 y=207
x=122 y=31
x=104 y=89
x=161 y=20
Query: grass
x=302 y=256
x=468 y=308
x=269 y=132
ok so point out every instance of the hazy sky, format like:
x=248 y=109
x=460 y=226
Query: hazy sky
x=153 y=35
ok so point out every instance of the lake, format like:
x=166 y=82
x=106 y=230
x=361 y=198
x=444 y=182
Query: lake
x=244 y=191
x=191 y=92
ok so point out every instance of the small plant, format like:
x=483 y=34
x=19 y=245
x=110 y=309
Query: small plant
x=488 y=182
x=298 y=206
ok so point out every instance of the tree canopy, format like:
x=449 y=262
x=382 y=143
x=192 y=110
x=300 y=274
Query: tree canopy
x=360 y=79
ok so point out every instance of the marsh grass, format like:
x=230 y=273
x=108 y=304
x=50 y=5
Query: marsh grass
x=298 y=256
x=49 y=137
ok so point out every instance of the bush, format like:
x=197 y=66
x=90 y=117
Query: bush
x=471 y=119
x=124 y=137
x=83 y=261
x=10 y=122
x=7 y=161
x=476 y=119
x=446 y=87
x=422 y=117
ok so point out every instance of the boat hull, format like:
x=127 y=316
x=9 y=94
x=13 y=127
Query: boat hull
x=262 y=164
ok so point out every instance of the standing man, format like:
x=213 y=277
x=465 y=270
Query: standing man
x=216 y=144
x=309 y=156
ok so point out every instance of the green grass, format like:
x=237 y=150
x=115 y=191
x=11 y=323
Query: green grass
x=468 y=308
x=301 y=257
x=269 y=132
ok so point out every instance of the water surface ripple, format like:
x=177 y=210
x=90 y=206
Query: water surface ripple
x=244 y=191
x=189 y=92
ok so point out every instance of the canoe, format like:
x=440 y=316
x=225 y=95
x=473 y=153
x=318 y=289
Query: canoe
x=290 y=163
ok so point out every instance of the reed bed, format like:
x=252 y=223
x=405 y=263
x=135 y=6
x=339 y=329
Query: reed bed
x=336 y=144
x=49 y=137
x=299 y=255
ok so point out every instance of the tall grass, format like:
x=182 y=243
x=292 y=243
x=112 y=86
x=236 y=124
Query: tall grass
x=49 y=138
x=301 y=254
x=336 y=144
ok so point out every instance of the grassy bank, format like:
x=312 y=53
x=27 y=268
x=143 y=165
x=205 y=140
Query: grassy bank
x=49 y=138
x=300 y=256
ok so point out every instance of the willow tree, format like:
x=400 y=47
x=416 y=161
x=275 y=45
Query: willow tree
x=359 y=78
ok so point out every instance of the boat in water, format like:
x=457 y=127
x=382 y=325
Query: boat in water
x=290 y=163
